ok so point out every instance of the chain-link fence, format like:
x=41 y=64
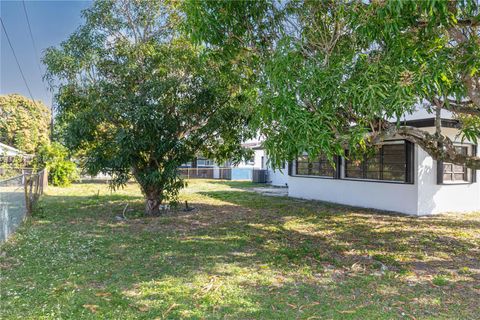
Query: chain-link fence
x=18 y=196
x=7 y=172
x=205 y=173
x=251 y=174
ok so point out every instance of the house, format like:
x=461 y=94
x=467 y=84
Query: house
x=401 y=177
x=12 y=160
x=8 y=151
x=10 y=155
x=199 y=162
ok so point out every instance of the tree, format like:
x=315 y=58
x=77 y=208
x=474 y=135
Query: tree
x=55 y=158
x=24 y=124
x=342 y=74
x=136 y=98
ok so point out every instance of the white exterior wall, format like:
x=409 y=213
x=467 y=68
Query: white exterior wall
x=388 y=196
x=260 y=159
x=257 y=160
x=423 y=197
x=278 y=177
x=9 y=151
x=434 y=198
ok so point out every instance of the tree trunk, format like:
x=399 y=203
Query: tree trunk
x=153 y=200
x=153 y=194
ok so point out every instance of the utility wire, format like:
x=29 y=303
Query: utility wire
x=18 y=63
x=31 y=38
x=37 y=60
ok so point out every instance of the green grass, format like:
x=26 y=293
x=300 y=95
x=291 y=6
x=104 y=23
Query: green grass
x=238 y=255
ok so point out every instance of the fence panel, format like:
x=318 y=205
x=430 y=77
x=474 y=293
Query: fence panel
x=18 y=196
x=12 y=205
x=250 y=174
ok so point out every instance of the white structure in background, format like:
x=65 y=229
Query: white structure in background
x=402 y=177
x=276 y=177
x=6 y=150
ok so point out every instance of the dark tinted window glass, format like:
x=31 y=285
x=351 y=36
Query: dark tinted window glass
x=388 y=163
x=314 y=167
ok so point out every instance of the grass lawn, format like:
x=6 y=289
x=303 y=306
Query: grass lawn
x=238 y=255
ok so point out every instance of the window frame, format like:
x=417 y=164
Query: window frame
x=340 y=170
x=294 y=171
x=470 y=173
x=409 y=165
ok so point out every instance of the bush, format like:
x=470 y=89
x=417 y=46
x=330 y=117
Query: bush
x=61 y=171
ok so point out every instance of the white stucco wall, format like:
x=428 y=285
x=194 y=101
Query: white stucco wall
x=378 y=195
x=424 y=197
x=278 y=177
x=257 y=160
x=434 y=198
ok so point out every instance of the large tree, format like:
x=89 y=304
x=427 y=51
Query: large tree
x=342 y=74
x=24 y=124
x=136 y=98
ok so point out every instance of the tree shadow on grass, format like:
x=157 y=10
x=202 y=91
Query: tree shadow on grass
x=251 y=257
x=448 y=242
x=234 y=184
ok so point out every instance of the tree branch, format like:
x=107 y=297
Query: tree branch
x=440 y=148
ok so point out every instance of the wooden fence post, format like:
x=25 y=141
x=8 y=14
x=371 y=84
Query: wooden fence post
x=28 y=200
x=44 y=179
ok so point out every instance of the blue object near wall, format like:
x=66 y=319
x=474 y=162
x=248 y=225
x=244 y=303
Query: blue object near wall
x=242 y=173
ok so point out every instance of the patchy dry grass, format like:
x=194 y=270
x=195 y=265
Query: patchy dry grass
x=238 y=255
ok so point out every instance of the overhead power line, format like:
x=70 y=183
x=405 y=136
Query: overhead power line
x=37 y=60
x=16 y=60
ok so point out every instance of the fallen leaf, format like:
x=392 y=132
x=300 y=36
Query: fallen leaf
x=92 y=307
x=103 y=294
x=143 y=308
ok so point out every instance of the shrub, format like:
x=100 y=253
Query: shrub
x=61 y=171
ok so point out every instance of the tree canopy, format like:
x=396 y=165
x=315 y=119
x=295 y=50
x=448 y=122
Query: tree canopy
x=24 y=124
x=333 y=75
x=137 y=98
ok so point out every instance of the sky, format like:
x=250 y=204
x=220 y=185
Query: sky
x=51 y=22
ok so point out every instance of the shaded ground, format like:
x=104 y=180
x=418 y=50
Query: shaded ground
x=238 y=255
x=271 y=191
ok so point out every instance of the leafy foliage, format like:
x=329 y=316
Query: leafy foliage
x=342 y=74
x=240 y=256
x=11 y=166
x=61 y=171
x=137 y=98
x=24 y=124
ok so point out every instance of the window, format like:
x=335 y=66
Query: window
x=391 y=162
x=202 y=162
x=319 y=166
x=453 y=172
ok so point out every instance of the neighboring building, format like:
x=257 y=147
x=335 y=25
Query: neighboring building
x=200 y=162
x=8 y=151
x=10 y=155
x=278 y=177
x=402 y=177
x=259 y=161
